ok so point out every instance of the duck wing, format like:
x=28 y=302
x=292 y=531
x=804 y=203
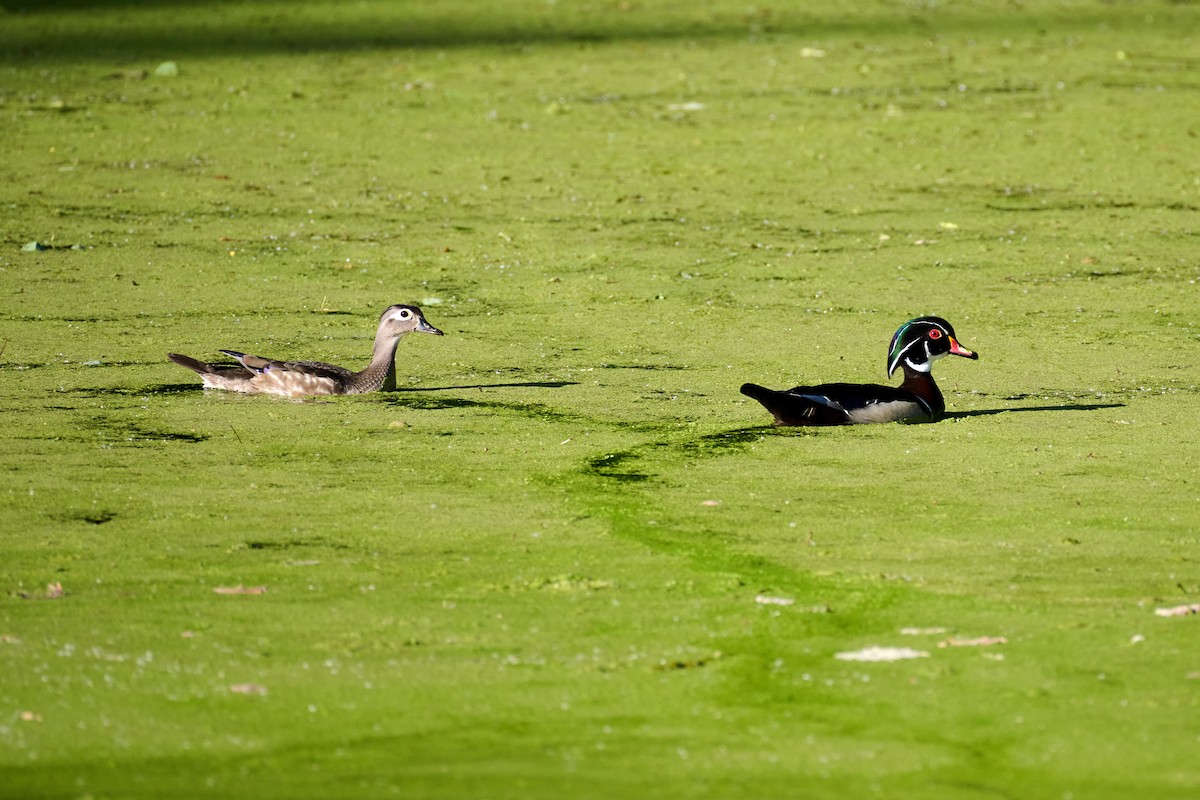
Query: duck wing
x=293 y=378
x=839 y=404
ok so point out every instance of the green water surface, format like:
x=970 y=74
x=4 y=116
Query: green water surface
x=567 y=558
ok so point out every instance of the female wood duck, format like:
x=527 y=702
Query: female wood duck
x=303 y=378
x=915 y=346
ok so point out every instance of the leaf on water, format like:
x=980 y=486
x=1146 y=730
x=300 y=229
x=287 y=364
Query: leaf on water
x=239 y=589
x=710 y=503
x=979 y=641
x=53 y=592
x=765 y=600
x=8 y=638
x=921 y=631
x=167 y=69
x=248 y=688
x=30 y=716
x=1178 y=611
x=571 y=583
x=876 y=653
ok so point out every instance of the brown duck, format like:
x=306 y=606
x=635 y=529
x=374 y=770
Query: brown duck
x=255 y=375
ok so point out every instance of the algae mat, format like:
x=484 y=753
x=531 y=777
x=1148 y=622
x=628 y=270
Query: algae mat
x=567 y=556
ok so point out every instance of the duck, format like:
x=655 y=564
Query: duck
x=257 y=375
x=914 y=347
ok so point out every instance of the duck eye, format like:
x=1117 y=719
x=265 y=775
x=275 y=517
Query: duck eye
x=405 y=314
x=935 y=334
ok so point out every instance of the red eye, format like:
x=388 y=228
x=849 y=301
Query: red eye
x=935 y=334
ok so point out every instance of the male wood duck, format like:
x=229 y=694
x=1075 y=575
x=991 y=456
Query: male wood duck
x=915 y=346
x=303 y=378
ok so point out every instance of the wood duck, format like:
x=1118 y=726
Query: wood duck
x=915 y=346
x=255 y=375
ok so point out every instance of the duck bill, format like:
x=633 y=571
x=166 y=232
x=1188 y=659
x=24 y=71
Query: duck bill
x=425 y=327
x=957 y=349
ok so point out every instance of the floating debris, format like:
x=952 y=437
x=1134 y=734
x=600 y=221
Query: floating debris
x=1178 y=611
x=38 y=247
x=248 y=688
x=239 y=589
x=876 y=653
x=979 y=641
x=54 y=591
x=765 y=600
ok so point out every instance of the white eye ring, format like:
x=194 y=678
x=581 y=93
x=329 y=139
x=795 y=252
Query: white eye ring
x=405 y=313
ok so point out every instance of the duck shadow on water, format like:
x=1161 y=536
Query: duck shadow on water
x=132 y=391
x=192 y=388
x=981 y=412
x=482 y=386
x=743 y=435
x=420 y=398
x=987 y=412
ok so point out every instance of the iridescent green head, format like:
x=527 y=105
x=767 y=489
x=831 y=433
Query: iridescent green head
x=921 y=341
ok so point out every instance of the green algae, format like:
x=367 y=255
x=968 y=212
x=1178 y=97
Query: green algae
x=558 y=559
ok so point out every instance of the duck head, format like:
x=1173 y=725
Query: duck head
x=398 y=320
x=921 y=341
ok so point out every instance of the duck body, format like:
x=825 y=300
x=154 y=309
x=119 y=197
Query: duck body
x=914 y=348
x=257 y=375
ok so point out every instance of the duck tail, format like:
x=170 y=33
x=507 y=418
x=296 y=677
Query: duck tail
x=187 y=361
x=769 y=399
x=759 y=393
x=798 y=407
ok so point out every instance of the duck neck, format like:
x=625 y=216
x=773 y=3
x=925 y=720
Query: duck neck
x=381 y=372
x=921 y=384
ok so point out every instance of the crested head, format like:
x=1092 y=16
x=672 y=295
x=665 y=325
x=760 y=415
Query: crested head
x=400 y=319
x=921 y=341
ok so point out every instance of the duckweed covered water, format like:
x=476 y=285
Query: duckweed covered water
x=567 y=556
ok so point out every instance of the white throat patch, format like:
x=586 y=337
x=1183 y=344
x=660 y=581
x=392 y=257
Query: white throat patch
x=929 y=359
